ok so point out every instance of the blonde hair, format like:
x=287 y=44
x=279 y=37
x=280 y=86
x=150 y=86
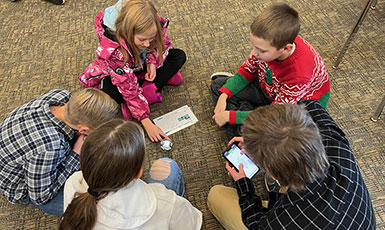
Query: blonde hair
x=111 y=157
x=286 y=142
x=90 y=107
x=278 y=23
x=137 y=17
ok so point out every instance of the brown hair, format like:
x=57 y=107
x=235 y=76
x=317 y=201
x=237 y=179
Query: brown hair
x=90 y=107
x=111 y=157
x=136 y=17
x=278 y=23
x=285 y=142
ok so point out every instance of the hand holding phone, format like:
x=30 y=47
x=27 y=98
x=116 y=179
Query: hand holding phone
x=234 y=173
x=236 y=140
x=235 y=157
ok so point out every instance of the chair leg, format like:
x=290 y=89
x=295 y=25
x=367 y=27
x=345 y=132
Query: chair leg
x=374 y=4
x=353 y=33
x=379 y=110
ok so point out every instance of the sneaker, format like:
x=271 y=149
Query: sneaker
x=56 y=2
x=177 y=79
x=149 y=92
x=220 y=74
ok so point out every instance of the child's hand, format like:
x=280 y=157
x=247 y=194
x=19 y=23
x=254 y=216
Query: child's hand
x=234 y=174
x=221 y=104
x=236 y=139
x=151 y=72
x=221 y=118
x=154 y=132
x=79 y=143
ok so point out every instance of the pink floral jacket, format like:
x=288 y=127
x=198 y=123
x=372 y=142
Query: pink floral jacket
x=109 y=62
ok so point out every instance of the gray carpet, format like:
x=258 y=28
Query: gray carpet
x=43 y=46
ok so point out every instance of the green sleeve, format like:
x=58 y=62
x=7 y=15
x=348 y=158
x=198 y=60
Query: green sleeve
x=236 y=83
x=241 y=115
x=324 y=99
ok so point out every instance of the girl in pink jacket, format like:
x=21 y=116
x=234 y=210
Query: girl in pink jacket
x=134 y=60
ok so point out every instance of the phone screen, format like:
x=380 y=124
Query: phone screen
x=235 y=156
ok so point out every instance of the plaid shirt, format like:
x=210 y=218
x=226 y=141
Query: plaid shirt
x=36 y=156
x=339 y=201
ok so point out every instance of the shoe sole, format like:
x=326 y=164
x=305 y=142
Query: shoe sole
x=227 y=74
x=56 y=2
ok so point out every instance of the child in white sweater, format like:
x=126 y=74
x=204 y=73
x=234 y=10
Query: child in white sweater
x=109 y=194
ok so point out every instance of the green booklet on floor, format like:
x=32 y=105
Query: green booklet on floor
x=176 y=120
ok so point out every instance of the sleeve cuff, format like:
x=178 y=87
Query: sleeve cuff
x=143 y=117
x=244 y=185
x=226 y=91
x=232 y=117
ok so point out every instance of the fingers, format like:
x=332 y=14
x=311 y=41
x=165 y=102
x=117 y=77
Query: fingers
x=161 y=134
x=148 y=77
x=241 y=168
x=164 y=135
x=155 y=137
x=220 y=119
x=151 y=72
x=151 y=138
x=219 y=109
x=215 y=118
x=228 y=167
x=236 y=139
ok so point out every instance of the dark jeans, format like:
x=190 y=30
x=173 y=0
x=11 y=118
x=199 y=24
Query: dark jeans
x=247 y=99
x=173 y=63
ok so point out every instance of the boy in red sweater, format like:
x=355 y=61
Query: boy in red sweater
x=282 y=68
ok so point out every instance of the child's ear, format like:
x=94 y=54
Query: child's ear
x=289 y=47
x=140 y=173
x=83 y=129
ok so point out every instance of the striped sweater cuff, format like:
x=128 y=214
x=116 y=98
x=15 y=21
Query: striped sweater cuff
x=232 y=117
x=226 y=91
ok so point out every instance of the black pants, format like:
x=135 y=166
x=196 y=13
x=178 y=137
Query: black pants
x=173 y=63
x=247 y=99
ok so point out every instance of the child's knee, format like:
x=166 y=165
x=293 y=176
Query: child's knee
x=181 y=57
x=214 y=192
x=217 y=83
x=161 y=169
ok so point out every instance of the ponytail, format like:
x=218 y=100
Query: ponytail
x=81 y=213
x=111 y=157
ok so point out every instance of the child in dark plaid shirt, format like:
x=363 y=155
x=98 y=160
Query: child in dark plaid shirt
x=40 y=143
x=303 y=149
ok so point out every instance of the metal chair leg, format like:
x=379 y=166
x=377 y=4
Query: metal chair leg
x=374 y=4
x=354 y=31
x=379 y=110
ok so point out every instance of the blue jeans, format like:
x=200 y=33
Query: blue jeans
x=174 y=181
x=53 y=207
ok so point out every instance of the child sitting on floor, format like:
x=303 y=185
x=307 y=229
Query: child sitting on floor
x=135 y=60
x=282 y=68
x=109 y=194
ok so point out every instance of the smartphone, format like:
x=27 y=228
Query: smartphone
x=235 y=157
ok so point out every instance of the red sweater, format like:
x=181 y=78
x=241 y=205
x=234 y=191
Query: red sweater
x=302 y=76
